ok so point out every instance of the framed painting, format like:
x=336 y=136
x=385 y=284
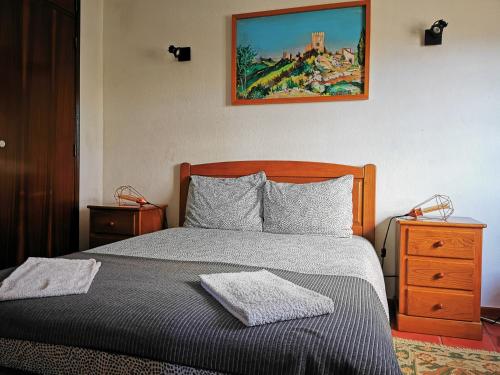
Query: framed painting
x=307 y=54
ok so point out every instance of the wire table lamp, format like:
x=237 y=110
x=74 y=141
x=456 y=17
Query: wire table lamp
x=437 y=203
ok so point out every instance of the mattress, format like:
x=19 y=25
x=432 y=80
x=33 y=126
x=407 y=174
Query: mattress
x=146 y=304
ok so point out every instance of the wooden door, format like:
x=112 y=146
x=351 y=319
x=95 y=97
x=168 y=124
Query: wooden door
x=10 y=127
x=38 y=175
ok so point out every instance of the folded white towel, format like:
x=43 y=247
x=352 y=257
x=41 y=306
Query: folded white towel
x=43 y=277
x=262 y=297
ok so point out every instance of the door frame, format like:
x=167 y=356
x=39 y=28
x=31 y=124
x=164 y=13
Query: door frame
x=75 y=237
x=62 y=6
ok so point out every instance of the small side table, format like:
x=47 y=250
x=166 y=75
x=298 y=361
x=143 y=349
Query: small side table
x=440 y=276
x=111 y=223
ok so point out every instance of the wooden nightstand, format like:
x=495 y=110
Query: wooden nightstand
x=115 y=223
x=440 y=276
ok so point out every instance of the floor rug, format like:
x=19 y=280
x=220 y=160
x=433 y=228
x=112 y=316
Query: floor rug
x=422 y=358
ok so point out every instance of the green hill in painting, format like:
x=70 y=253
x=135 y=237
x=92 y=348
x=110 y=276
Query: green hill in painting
x=314 y=72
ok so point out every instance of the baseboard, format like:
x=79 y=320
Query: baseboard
x=490 y=312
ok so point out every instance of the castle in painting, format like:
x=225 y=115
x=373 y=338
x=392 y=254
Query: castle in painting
x=317 y=42
x=318 y=45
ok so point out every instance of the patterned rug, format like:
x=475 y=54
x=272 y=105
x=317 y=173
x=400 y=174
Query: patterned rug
x=422 y=358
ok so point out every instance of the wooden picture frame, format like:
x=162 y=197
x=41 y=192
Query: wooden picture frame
x=315 y=65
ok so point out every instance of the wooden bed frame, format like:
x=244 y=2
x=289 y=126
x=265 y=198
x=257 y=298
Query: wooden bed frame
x=363 y=194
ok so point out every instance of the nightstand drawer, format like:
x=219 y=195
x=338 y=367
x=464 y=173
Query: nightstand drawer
x=113 y=222
x=440 y=304
x=440 y=242
x=441 y=273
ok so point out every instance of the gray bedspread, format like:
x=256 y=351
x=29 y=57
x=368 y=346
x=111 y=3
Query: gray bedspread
x=155 y=308
x=311 y=254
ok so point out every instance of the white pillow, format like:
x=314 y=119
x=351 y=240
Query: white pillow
x=225 y=203
x=312 y=208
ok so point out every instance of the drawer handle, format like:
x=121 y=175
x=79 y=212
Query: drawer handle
x=438 y=306
x=439 y=275
x=439 y=244
x=111 y=224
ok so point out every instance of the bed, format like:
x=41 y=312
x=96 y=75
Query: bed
x=147 y=313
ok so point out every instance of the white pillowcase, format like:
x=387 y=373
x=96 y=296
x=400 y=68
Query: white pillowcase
x=225 y=203
x=312 y=208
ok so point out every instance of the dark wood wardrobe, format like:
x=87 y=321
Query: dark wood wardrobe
x=38 y=129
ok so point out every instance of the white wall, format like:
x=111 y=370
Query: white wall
x=91 y=112
x=430 y=125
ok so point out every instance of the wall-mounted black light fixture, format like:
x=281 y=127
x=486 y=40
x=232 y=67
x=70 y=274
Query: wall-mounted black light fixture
x=434 y=35
x=181 y=53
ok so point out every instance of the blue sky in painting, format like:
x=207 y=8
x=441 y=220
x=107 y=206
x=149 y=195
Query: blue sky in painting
x=270 y=36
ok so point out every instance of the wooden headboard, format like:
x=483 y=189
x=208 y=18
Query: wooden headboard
x=363 y=194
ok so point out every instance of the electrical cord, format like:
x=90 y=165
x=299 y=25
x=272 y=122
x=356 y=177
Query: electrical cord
x=165 y=222
x=129 y=193
x=152 y=204
x=383 y=251
x=491 y=321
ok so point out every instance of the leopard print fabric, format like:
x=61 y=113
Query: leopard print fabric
x=50 y=359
